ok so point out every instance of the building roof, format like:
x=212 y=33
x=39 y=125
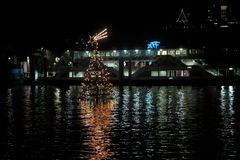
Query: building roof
x=168 y=62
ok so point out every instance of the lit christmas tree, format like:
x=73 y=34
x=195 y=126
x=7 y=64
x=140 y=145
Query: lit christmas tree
x=96 y=83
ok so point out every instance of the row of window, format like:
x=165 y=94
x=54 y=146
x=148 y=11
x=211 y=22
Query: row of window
x=166 y=73
x=170 y=73
x=138 y=53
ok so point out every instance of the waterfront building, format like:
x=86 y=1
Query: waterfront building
x=130 y=64
x=149 y=64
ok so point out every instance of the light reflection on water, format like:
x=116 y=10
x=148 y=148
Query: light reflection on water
x=98 y=119
x=164 y=122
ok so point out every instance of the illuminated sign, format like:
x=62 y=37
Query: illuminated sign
x=153 y=45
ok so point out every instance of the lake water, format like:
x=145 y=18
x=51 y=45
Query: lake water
x=160 y=122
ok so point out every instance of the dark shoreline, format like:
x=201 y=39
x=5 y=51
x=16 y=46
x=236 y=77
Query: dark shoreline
x=148 y=82
x=134 y=82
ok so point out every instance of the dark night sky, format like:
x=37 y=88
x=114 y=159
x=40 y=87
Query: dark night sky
x=56 y=25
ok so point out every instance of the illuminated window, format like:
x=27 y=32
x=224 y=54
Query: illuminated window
x=224 y=12
x=162 y=73
x=178 y=73
x=186 y=73
x=154 y=73
x=172 y=52
x=164 y=52
x=177 y=52
x=126 y=73
x=107 y=54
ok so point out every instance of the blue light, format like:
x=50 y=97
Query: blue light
x=153 y=45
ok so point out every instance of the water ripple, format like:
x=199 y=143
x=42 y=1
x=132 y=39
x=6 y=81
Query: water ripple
x=162 y=122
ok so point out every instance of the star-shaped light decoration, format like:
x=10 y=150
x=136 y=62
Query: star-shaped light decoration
x=93 y=40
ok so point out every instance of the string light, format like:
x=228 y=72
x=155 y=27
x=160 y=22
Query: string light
x=96 y=83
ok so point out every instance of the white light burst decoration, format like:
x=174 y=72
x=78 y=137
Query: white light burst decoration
x=93 y=40
x=101 y=35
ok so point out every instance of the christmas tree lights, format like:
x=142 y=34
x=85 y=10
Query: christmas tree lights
x=96 y=83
